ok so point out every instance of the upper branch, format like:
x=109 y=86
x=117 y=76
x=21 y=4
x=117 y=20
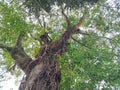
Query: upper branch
x=19 y=40
x=62 y=42
x=59 y=46
x=80 y=21
x=66 y=18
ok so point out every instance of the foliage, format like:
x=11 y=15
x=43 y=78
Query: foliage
x=37 y=5
x=12 y=22
x=85 y=68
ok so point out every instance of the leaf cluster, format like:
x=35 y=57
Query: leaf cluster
x=12 y=22
x=85 y=68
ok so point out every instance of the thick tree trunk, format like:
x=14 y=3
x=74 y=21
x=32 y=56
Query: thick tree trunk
x=45 y=75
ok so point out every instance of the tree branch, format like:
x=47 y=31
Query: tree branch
x=18 y=54
x=62 y=42
x=19 y=40
x=80 y=21
x=58 y=47
x=22 y=59
x=81 y=43
x=66 y=18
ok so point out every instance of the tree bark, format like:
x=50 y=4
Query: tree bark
x=45 y=75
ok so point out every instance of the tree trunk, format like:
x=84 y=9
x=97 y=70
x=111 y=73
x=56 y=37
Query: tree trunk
x=44 y=75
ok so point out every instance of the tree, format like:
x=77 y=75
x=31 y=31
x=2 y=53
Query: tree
x=43 y=72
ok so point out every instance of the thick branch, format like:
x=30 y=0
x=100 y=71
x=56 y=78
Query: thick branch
x=18 y=54
x=21 y=58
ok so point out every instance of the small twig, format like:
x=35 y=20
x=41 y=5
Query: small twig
x=81 y=43
x=78 y=31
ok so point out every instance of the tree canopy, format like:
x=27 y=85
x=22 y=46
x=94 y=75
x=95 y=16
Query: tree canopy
x=37 y=5
x=92 y=59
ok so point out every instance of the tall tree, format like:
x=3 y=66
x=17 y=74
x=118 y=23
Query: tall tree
x=43 y=72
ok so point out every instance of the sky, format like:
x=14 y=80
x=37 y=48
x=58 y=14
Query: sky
x=9 y=84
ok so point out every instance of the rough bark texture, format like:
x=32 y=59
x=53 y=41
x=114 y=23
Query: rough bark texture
x=45 y=75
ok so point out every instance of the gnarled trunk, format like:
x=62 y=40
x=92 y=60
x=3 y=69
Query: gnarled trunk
x=45 y=75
